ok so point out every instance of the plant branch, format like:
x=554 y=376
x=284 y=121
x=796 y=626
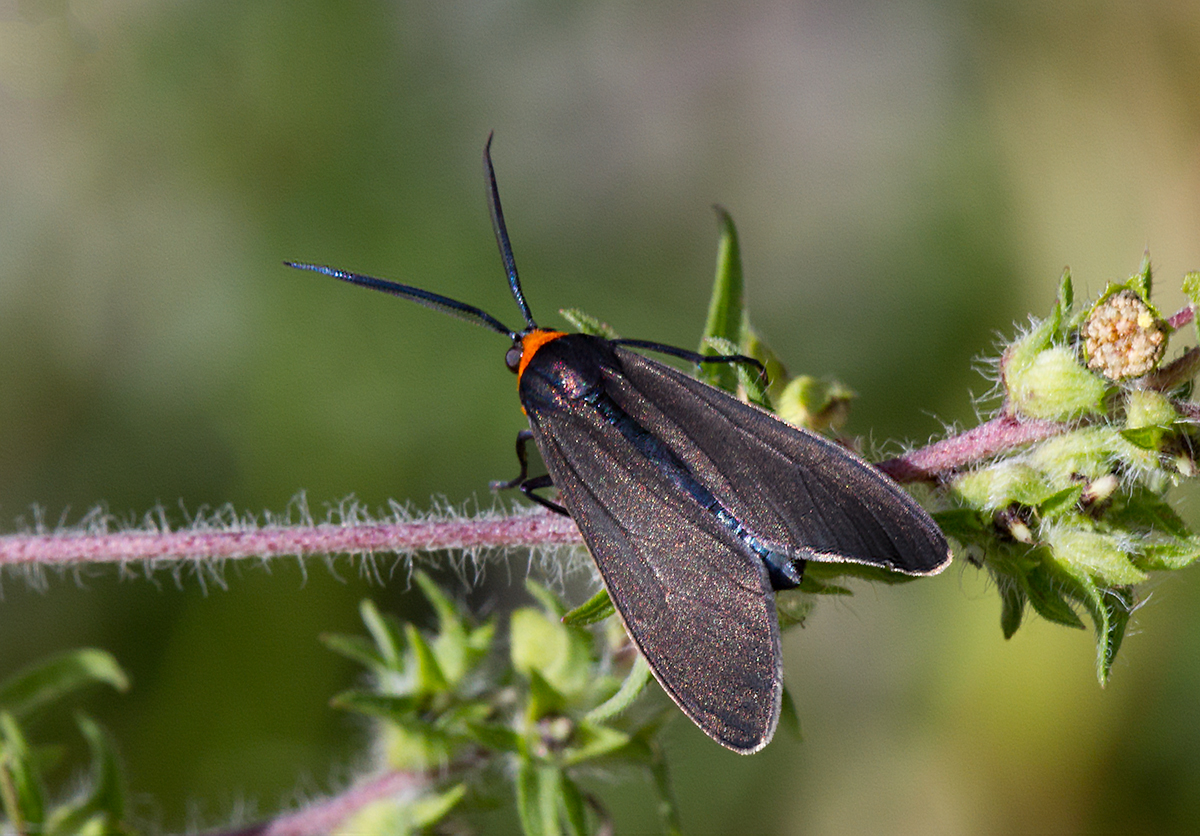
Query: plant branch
x=241 y=539
x=1006 y=432
x=325 y=816
x=534 y=528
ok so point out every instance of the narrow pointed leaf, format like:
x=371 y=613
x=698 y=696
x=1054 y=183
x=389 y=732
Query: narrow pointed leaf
x=388 y=638
x=102 y=808
x=55 y=677
x=593 y=610
x=636 y=682
x=1012 y=608
x=355 y=648
x=574 y=811
x=20 y=784
x=726 y=306
x=429 y=672
x=587 y=324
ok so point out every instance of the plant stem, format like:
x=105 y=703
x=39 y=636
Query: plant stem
x=325 y=816
x=207 y=540
x=536 y=528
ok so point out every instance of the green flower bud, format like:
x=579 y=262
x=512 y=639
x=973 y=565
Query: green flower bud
x=1144 y=408
x=814 y=404
x=1089 y=452
x=1052 y=385
x=1001 y=485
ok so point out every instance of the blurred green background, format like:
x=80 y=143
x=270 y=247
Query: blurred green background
x=908 y=178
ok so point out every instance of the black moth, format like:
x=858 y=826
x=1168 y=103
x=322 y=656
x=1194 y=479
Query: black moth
x=695 y=506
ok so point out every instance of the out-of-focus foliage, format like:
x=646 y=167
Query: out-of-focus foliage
x=99 y=808
x=533 y=722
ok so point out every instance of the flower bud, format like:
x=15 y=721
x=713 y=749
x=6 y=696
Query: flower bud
x=814 y=404
x=1052 y=385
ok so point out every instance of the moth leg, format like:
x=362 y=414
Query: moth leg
x=525 y=483
x=523 y=438
x=537 y=483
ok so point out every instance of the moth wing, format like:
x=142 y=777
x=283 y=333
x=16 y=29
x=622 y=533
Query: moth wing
x=791 y=487
x=698 y=605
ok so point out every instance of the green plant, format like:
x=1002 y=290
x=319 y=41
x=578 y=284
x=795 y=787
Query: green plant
x=1061 y=496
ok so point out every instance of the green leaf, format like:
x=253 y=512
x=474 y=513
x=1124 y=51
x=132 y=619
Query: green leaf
x=726 y=309
x=20 y=785
x=55 y=677
x=538 y=795
x=386 y=816
x=814 y=403
x=1044 y=333
x=1045 y=595
x=1064 y=302
x=1168 y=556
x=395 y=707
x=560 y=653
x=386 y=634
x=402 y=816
x=430 y=678
x=496 y=736
x=792 y=607
x=544 y=699
x=1147 y=408
x=752 y=345
x=963 y=524
x=1054 y=386
x=451 y=645
x=102 y=808
x=430 y=810
x=406 y=738
x=1147 y=438
x=1012 y=607
x=1000 y=485
x=637 y=680
x=592 y=741
x=1087 y=451
x=811 y=586
x=574 y=811
x=668 y=810
x=1109 y=616
x=1061 y=502
x=529 y=798
x=588 y=324
x=1120 y=604
x=1142 y=280
x=549 y=796
x=1191 y=288
x=355 y=648
x=1096 y=553
x=1144 y=511
x=749 y=377
x=592 y=611
x=789 y=717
